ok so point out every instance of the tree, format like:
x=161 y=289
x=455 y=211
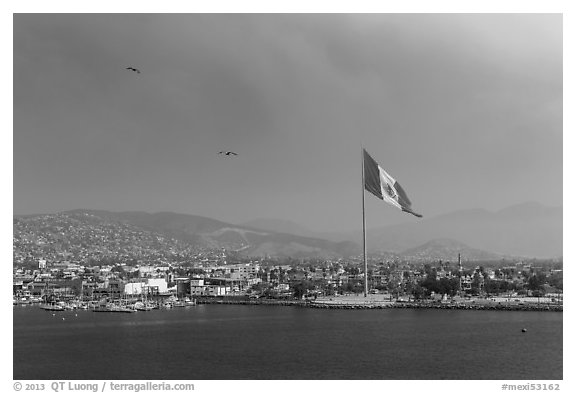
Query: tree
x=555 y=280
x=431 y=284
x=416 y=290
x=301 y=288
x=477 y=283
x=118 y=269
x=352 y=270
x=536 y=281
x=448 y=286
x=492 y=287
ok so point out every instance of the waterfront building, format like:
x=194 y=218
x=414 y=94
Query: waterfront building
x=197 y=288
x=134 y=288
x=36 y=288
x=217 y=290
x=157 y=285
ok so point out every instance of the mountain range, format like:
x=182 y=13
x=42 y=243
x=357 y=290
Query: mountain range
x=206 y=233
x=526 y=230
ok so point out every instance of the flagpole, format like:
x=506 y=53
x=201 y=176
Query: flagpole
x=364 y=231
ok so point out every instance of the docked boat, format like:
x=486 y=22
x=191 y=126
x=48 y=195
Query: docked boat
x=113 y=308
x=140 y=306
x=184 y=303
x=52 y=307
x=117 y=308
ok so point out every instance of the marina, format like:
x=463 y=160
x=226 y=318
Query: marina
x=103 y=305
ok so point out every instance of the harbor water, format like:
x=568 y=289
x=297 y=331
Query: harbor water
x=232 y=342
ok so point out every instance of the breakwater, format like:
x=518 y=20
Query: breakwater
x=444 y=306
x=361 y=305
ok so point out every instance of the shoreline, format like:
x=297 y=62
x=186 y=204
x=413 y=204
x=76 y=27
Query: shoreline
x=383 y=302
x=361 y=304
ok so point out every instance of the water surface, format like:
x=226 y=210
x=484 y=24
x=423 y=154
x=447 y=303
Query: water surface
x=265 y=342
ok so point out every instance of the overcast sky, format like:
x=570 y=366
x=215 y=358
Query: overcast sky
x=464 y=110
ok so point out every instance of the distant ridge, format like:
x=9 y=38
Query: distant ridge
x=278 y=225
x=528 y=229
x=524 y=230
x=211 y=233
x=447 y=250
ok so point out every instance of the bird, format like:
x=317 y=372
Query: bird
x=133 y=69
x=228 y=153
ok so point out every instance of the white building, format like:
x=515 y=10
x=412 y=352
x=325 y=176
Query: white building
x=145 y=271
x=134 y=288
x=157 y=285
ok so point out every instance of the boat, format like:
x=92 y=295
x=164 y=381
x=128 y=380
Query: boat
x=184 y=303
x=113 y=308
x=119 y=308
x=120 y=305
x=140 y=306
x=52 y=307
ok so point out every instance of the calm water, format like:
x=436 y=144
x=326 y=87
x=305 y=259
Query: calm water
x=250 y=342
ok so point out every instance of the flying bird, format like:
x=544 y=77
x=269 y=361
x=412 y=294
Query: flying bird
x=133 y=69
x=228 y=153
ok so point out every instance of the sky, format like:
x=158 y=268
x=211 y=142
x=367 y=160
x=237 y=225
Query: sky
x=464 y=110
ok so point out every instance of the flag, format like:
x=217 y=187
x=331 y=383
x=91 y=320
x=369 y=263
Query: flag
x=384 y=186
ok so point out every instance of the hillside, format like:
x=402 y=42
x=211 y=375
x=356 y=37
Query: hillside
x=85 y=237
x=526 y=230
x=446 y=250
x=282 y=226
x=103 y=233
